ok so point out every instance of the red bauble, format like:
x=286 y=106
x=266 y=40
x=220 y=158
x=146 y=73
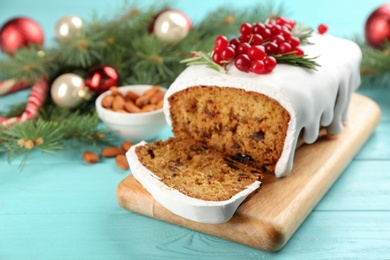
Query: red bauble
x=377 y=28
x=20 y=32
x=101 y=79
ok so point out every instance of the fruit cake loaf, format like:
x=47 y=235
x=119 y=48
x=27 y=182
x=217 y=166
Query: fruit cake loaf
x=253 y=119
x=263 y=116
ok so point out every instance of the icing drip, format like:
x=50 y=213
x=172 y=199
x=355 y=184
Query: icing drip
x=314 y=99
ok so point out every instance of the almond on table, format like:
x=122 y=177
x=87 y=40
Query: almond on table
x=126 y=145
x=90 y=157
x=121 y=161
x=111 y=151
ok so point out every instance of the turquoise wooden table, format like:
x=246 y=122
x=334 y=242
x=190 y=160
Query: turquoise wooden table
x=58 y=207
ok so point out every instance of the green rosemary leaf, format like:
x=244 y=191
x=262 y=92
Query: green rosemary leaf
x=201 y=58
x=303 y=33
x=300 y=61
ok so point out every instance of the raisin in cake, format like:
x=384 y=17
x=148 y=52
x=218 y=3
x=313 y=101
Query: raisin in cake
x=253 y=119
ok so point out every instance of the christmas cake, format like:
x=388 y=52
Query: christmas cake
x=233 y=124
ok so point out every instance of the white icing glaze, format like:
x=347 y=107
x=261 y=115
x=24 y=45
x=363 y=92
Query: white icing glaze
x=314 y=99
x=210 y=212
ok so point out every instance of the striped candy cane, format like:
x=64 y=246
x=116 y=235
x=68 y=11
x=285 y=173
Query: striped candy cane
x=34 y=102
x=12 y=85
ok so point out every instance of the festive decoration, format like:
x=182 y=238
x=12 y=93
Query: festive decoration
x=101 y=79
x=34 y=103
x=20 y=32
x=377 y=27
x=172 y=26
x=12 y=85
x=67 y=27
x=138 y=56
x=258 y=49
x=68 y=90
x=375 y=66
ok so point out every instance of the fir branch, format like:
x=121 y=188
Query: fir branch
x=22 y=138
x=2 y=147
x=78 y=125
x=375 y=65
x=375 y=61
x=80 y=52
x=52 y=131
x=227 y=20
x=29 y=64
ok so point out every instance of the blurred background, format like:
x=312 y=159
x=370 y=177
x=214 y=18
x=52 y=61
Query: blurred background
x=312 y=13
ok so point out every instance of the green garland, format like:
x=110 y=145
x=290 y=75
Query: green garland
x=375 y=66
x=123 y=43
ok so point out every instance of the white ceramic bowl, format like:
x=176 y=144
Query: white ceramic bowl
x=134 y=127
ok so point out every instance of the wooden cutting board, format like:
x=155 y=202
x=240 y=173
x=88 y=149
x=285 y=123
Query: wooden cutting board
x=268 y=218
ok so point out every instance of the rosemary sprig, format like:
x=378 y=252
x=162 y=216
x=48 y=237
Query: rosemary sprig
x=202 y=58
x=302 y=32
x=301 y=61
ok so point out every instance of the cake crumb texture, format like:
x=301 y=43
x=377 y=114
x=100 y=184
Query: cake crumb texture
x=197 y=170
x=233 y=121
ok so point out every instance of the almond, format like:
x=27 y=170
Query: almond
x=118 y=103
x=131 y=95
x=122 y=162
x=132 y=102
x=148 y=108
x=126 y=145
x=160 y=104
x=142 y=101
x=90 y=157
x=115 y=91
x=111 y=151
x=131 y=107
x=107 y=101
x=156 y=97
x=150 y=92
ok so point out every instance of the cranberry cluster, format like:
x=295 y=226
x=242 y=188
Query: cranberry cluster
x=253 y=50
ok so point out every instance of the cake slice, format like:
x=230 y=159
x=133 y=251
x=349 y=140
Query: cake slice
x=193 y=180
x=249 y=121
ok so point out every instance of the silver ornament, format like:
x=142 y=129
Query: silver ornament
x=69 y=90
x=67 y=27
x=171 y=26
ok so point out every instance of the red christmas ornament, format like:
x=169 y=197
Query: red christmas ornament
x=377 y=28
x=101 y=79
x=20 y=32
